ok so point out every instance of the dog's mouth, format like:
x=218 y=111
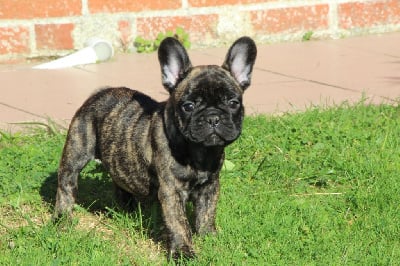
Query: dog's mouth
x=213 y=138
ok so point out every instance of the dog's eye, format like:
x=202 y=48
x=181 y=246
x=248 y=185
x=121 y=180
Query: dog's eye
x=233 y=104
x=188 y=107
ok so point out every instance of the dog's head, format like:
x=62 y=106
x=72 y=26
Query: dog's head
x=206 y=101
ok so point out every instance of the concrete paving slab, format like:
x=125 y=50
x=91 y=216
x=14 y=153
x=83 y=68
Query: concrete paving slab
x=10 y=116
x=52 y=93
x=384 y=44
x=297 y=96
x=330 y=64
x=326 y=58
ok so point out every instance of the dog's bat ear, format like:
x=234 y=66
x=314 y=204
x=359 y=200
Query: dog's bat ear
x=174 y=62
x=240 y=59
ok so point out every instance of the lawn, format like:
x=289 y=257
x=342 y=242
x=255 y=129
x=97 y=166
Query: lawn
x=321 y=187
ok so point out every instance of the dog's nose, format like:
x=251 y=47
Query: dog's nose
x=213 y=120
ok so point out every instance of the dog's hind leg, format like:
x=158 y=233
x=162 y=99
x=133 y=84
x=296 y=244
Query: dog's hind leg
x=79 y=149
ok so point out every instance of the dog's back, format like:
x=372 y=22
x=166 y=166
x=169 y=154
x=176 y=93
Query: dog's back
x=101 y=104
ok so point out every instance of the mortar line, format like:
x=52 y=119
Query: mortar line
x=323 y=83
x=307 y=80
x=22 y=110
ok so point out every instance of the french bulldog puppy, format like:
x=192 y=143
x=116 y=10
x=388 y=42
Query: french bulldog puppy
x=173 y=149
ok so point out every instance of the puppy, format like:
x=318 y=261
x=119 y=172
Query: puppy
x=172 y=149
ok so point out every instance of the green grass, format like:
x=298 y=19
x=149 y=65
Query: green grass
x=315 y=188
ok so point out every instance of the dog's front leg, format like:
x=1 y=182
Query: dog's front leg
x=205 y=202
x=173 y=202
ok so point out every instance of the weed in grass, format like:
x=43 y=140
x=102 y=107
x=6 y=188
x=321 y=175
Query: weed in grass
x=319 y=187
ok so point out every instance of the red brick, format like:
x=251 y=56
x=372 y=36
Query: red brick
x=106 y=6
x=198 y=26
x=358 y=14
x=54 y=36
x=26 y=9
x=200 y=3
x=14 y=40
x=125 y=29
x=290 y=19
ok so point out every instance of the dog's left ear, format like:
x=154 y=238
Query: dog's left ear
x=174 y=62
x=240 y=60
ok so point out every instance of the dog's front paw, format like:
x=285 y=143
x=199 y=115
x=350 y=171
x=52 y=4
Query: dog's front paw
x=182 y=252
x=65 y=201
x=61 y=212
x=206 y=230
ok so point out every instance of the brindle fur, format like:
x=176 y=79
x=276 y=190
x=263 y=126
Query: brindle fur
x=151 y=148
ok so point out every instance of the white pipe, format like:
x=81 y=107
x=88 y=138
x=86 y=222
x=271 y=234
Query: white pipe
x=96 y=50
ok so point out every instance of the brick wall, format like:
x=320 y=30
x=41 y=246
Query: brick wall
x=31 y=28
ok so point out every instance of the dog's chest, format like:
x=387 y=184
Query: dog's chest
x=192 y=176
x=199 y=178
x=191 y=183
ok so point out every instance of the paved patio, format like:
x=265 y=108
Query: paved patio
x=286 y=77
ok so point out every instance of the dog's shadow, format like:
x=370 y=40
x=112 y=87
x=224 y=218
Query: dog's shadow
x=96 y=194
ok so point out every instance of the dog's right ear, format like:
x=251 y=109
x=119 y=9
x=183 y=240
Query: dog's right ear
x=174 y=62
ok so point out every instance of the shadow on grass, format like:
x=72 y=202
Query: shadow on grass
x=96 y=194
x=95 y=190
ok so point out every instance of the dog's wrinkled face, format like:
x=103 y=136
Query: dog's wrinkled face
x=207 y=100
x=209 y=106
